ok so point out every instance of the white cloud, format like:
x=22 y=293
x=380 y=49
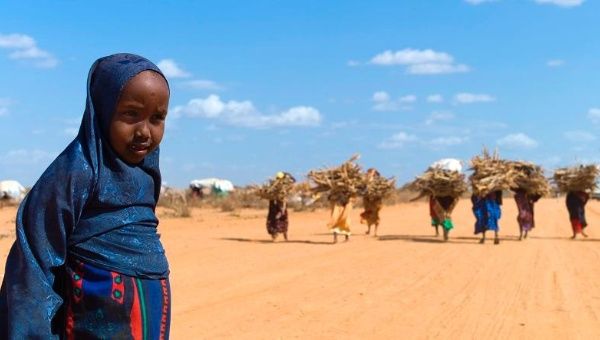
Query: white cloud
x=439 y=116
x=410 y=56
x=478 y=2
x=243 y=113
x=561 y=3
x=425 y=62
x=594 y=115
x=26 y=157
x=24 y=47
x=470 y=98
x=352 y=63
x=447 y=141
x=398 y=140
x=555 y=63
x=436 y=68
x=579 y=136
x=435 y=98
x=411 y=98
x=381 y=96
x=202 y=84
x=4 y=104
x=383 y=102
x=171 y=70
x=517 y=140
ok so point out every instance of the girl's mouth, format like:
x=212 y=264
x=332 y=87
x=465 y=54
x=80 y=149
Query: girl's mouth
x=140 y=148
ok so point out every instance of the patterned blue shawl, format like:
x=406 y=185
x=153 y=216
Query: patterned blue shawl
x=88 y=205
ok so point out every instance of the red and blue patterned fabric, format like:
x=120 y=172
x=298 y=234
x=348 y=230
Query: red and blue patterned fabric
x=101 y=304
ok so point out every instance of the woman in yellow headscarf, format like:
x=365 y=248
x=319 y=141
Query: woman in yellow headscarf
x=277 y=218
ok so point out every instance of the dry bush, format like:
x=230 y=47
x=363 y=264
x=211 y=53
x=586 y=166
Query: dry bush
x=8 y=203
x=241 y=198
x=400 y=195
x=176 y=201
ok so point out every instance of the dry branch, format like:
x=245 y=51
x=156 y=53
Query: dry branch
x=527 y=176
x=340 y=183
x=275 y=189
x=439 y=182
x=489 y=173
x=577 y=178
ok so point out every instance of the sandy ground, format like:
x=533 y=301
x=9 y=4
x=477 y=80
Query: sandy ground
x=230 y=281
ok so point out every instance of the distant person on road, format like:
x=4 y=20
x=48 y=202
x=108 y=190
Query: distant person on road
x=525 y=216
x=372 y=206
x=487 y=211
x=576 y=201
x=277 y=218
x=440 y=209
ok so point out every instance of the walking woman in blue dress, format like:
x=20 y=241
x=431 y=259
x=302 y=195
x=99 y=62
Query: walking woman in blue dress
x=487 y=211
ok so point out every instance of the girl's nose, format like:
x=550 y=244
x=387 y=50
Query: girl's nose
x=142 y=130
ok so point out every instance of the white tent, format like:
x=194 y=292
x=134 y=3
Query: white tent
x=12 y=191
x=449 y=164
x=217 y=185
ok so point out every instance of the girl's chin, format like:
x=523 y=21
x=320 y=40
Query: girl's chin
x=134 y=157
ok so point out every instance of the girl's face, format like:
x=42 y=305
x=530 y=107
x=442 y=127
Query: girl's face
x=138 y=123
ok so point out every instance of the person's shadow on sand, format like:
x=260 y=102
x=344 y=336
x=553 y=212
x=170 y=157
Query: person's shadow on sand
x=434 y=239
x=238 y=239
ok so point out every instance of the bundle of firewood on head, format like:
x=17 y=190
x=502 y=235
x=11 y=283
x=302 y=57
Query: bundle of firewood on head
x=577 y=178
x=277 y=188
x=442 y=178
x=489 y=173
x=340 y=183
x=527 y=176
x=375 y=187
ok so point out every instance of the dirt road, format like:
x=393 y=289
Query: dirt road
x=230 y=281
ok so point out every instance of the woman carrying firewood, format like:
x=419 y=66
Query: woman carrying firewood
x=525 y=203
x=487 y=213
x=444 y=183
x=277 y=218
x=576 y=201
x=440 y=209
x=341 y=185
x=372 y=205
x=339 y=221
x=529 y=184
x=577 y=182
x=373 y=190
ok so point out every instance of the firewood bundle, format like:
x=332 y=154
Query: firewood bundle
x=340 y=183
x=527 y=176
x=577 y=178
x=276 y=189
x=376 y=187
x=439 y=182
x=489 y=173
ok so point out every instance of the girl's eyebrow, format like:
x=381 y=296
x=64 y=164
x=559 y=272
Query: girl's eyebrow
x=134 y=104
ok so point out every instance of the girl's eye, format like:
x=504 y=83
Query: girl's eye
x=130 y=114
x=159 y=117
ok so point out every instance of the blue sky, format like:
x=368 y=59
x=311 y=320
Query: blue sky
x=263 y=86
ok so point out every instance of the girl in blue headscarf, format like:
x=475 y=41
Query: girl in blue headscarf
x=87 y=261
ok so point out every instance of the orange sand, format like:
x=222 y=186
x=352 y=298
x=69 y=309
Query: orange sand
x=230 y=281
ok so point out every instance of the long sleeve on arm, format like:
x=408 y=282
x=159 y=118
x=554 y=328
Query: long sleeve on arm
x=30 y=295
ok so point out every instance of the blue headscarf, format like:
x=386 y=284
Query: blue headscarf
x=89 y=205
